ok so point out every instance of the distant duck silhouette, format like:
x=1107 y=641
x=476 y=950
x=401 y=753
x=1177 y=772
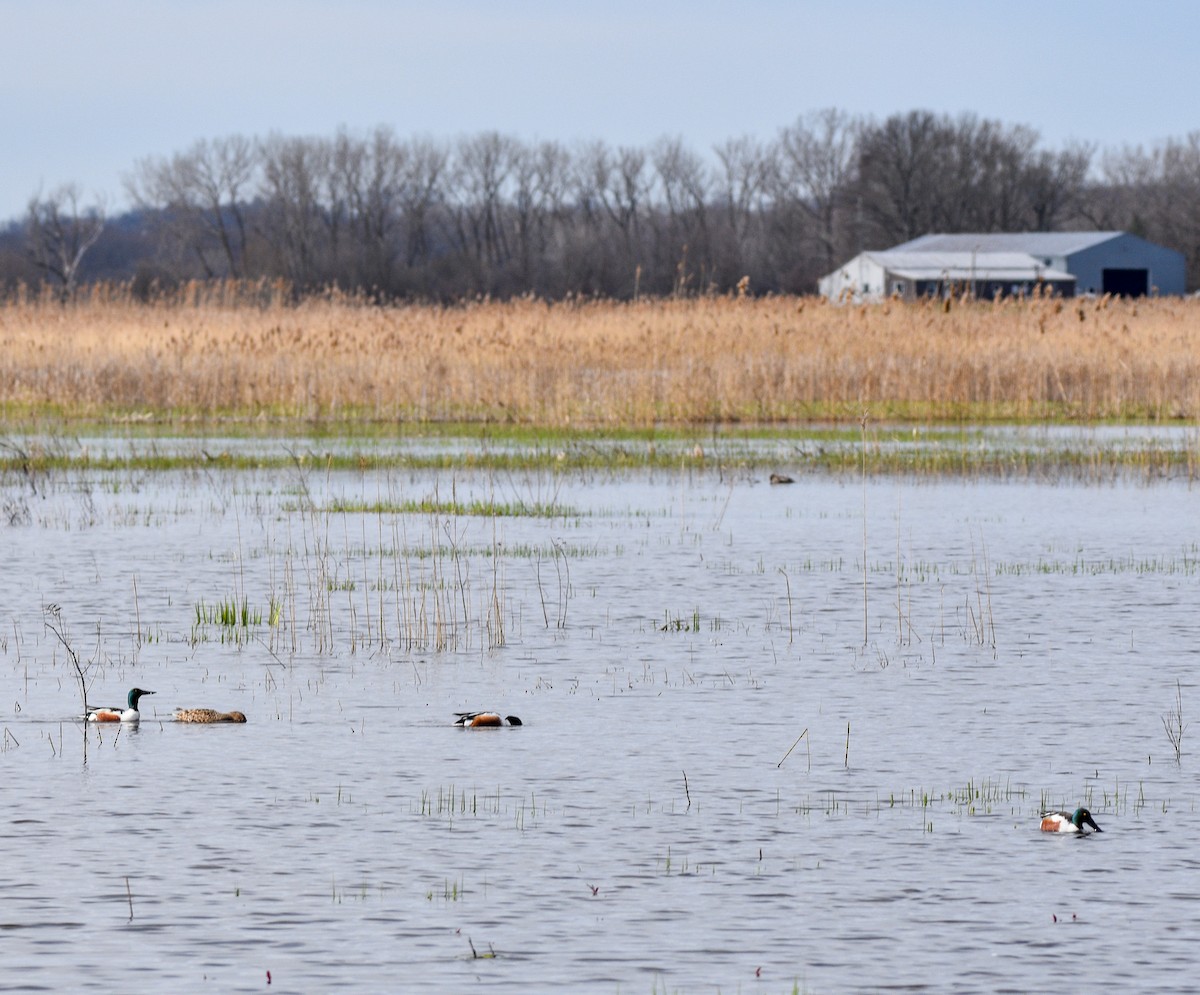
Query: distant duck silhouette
x=207 y=715
x=484 y=720
x=781 y=478
x=115 y=714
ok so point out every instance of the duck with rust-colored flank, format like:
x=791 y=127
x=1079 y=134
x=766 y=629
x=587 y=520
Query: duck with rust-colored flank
x=484 y=720
x=116 y=714
x=1079 y=821
x=207 y=715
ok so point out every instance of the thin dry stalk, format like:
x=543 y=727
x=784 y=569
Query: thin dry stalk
x=1173 y=722
x=808 y=743
x=791 y=628
x=863 y=422
x=54 y=622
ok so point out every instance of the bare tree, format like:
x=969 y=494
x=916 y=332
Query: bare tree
x=294 y=172
x=202 y=193
x=1175 y=214
x=377 y=206
x=541 y=178
x=361 y=208
x=612 y=192
x=981 y=174
x=1054 y=183
x=683 y=183
x=479 y=181
x=491 y=214
x=423 y=166
x=902 y=165
x=60 y=232
x=339 y=193
x=1123 y=194
x=816 y=166
x=1009 y=155
x=746 y=166
x=1154 y=193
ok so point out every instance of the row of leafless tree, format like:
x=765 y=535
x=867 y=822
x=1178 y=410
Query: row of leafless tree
x=490 y=214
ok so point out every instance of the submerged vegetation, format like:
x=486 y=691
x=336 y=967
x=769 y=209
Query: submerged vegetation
x=1001 y=452
x=431 y=506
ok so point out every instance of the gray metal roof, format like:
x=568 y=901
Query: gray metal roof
x=1037 y=243
x=1014 y=267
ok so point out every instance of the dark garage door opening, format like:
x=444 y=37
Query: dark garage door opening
x=1126 y=282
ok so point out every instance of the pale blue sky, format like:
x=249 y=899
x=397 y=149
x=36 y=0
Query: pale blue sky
x=87 y=87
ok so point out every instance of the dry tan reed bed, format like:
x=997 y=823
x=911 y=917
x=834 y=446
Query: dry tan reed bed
x=601 y=364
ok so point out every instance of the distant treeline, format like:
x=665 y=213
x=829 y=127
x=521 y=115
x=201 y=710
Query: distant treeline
x=492 y=215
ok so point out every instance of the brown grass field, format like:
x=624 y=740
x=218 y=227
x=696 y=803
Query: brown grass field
x=246 y=352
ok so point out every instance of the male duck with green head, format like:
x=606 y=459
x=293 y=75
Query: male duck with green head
x=1079 y=821
x=130 y=714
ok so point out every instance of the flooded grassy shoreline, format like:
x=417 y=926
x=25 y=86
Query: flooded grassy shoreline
x=1092 y=452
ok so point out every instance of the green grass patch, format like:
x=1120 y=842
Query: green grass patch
x=431 y=506
x=891 y=448
x=228 y=612
x=233 y=619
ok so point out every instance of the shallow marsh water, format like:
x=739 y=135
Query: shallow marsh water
x=667 y=641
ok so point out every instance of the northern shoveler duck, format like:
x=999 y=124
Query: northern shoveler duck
x=130 y=714
x=781 y=478
x=483 y=720
x=207 y=715
x=1079 y=821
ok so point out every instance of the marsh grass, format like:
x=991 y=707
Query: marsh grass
x=407 y=581
x=450 y=803
x=978 y=797
x=429 y=506
x=234 y=619
x=228 y=612
x=680 y=623
x=893 y=449
x=214 y=350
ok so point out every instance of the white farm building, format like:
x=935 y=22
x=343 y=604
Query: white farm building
x=1102 y=262
x=908 y=274
x=1083 y=262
